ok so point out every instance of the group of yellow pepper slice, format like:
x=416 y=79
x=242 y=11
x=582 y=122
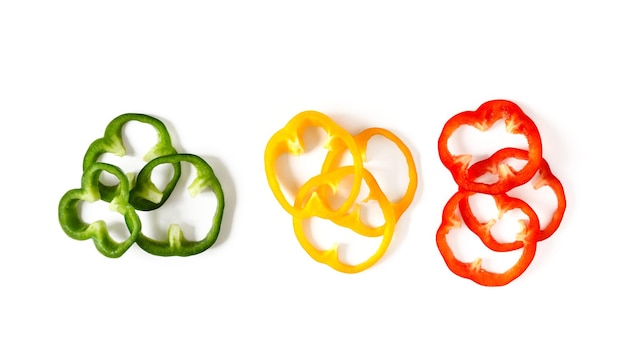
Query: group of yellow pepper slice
x=317 y=196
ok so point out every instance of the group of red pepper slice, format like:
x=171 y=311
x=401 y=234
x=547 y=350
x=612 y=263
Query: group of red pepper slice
x=467 y=173
x=314 y=197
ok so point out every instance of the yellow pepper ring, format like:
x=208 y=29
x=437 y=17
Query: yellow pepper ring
x=352 y=219
x=330 y=256
x=400 y=206
x=289 y=140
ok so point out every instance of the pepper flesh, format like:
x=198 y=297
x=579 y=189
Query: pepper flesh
x=73 y=225
x=290 y=140
x=517 y=122
x=474 y=270
x=176 y=243
x=112 y=142
x=330 y=256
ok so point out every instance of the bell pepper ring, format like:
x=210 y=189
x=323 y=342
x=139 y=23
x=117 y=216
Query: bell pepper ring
x=355 y=222
x=504 y=203
x=289 y=139
x=176 y=244
x=473 y=270
x=516 y=121
x=112 y=142
x=330 y=256
x=75 y=228
x=546 y=178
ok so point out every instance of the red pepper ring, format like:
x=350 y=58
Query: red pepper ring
x=473 y=270
x=546 y=178
x=400 y=206
x=289 y=140
x=483 y=118
x=330 y=257
x=504 y=203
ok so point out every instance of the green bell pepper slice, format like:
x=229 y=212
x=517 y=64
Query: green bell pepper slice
x=73 y=225
x=112 y=142
x=176 y=244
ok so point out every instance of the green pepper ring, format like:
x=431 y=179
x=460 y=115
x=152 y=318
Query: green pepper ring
x=74 y=226
x=112 y=142
x=176 y=244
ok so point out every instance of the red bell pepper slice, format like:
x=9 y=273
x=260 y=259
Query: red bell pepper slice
x=504 y=203
x=546 y=178
x=483 y=118
x=473 y=270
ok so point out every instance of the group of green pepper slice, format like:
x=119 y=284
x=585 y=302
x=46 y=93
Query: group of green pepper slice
x=468 y=172
x=133 y=194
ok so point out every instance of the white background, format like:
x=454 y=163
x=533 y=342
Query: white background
x=224 y=77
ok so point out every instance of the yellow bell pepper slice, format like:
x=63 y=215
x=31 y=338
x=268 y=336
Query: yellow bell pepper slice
x=289 y=139
x=354 y=221
x=330 y=257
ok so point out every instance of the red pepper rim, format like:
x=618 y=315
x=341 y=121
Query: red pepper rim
x=546 y=178
x=473 y=271
x=517 y=122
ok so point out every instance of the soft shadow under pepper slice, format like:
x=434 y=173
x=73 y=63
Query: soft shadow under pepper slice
x=483 y=118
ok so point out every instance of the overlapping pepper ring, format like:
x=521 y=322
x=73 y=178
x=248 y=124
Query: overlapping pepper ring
x=517 y=122
x=74 y=226
x=313 y=198
x=546 y=178
x=330 y=257
x=176 y=243
x=332 y=161
x=474 y=270
x=112 y=142
x=504 y=203
x=137 y=193
x=508 y=178
x=289 y=139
